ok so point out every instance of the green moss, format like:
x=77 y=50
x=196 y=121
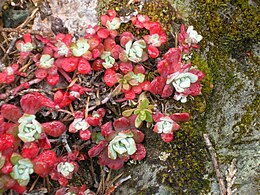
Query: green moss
x=243 y=127
x=185 y=172
x=207 y=82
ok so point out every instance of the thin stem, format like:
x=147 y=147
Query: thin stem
x=216 y=165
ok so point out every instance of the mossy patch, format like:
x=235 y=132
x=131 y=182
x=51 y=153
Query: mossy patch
x=243 y=127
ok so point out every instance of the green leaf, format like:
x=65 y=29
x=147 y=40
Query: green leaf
x=23 y=182
x=142 y=96
x=138 y=121
x=15 y=158
x=133 y=82
x=143 y=104
x=128 y=46
x=97 y=137
x=137 y=111
x=142 y=116
x=149 y=117
x=128 y=113
x=139 y=77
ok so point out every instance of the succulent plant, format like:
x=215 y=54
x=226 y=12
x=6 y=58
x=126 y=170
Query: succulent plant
x=120 y=144
x=22 y=169
x=29 y=128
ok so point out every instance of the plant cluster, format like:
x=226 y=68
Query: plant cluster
x=68 y=67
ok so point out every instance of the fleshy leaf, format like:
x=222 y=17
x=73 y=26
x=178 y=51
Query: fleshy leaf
x=54 y=128
x=121 y=124
x=11 y=112
x=95 y=151
x=138 y=121
x=128 y=113
x=30 y=104
x=140 y=152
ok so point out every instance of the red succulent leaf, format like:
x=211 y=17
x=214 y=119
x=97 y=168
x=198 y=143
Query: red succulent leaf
x=139 y=69
x=116 y=164
x=44 y=163
x=157 y=116
x=65 y=38
x=54 y=128
x=11 y=112
x=121 y=124
x=138 y=135
x=53 y=79
x=167 y=137
x=103 y=33
x=44 y=100
x=97 y=65
x=137 y=89
x=2 y=77
x=48 y=50
x=173 y=55
x=113 y=164
x=110 y=77
x=27 y=38
x=7 y=168
x=70 y=64
x=66 y=100
x=95 y=151
x=130 y=95
x=19 y=189
x=157 y=85
x=44 y=142
x=140 y=152
x=126 y=37
x=94 y=42
x=30 y=103
x=109 y=44
x=198 y=73
x=6 y=141
x=101 y=112
x=125 y=67
x=84 y=66
x=180 y=117
x=85 y=135
x=30 y=150
x=146 y=85
x=153 y=51
x=106 y=129
x=41 y=73
x=113 y=34
x=111 y=13
x=104 y=19
x=116 y=51
x=58 y=97
x=167 y=91
x=194 y=89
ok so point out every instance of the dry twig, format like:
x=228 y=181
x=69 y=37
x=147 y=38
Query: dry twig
x=215 y=163
x=230 y=177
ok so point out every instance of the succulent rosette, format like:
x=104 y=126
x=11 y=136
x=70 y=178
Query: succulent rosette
x=120 y=144
x=176 y=77
x=166 y=125
x=188 y=39
x=22 y=169
x=29 y=128
x=25 y=47
x=64 y=168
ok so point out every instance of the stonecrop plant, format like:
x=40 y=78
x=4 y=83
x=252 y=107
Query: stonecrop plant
x=80 y=75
